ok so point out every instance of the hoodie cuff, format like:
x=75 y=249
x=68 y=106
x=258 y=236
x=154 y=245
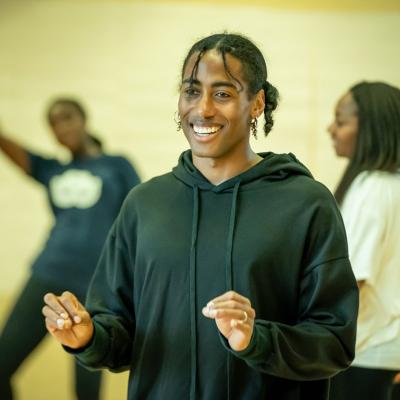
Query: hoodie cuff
x=259 y=348
x=95 y=350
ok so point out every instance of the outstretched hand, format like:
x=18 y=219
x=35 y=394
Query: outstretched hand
x=234 y=317
x=67 y=320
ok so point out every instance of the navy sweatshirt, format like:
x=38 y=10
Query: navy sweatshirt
x=85 y=196
x=274 y=235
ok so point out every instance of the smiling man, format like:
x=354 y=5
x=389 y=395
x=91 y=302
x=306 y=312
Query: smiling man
x=227 y=278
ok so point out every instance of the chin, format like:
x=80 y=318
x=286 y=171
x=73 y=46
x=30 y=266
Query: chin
x=338 y=152
x=341 y=154
x=203 y=154
x=215 y=152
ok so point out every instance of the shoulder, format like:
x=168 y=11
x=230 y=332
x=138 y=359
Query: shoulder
x=146 y=196
x=153 y=187
x=41 y=159
x=373 y=197
x=294 y=180
x=117 y=160
x=305 y=189
x=376 y=186
x=123 y=167
x=314 y=188
x=43 y=168
x=370 y=179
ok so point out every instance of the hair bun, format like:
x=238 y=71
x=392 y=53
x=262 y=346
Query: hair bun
x=271 y=102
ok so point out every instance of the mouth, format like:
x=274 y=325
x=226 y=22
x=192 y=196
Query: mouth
x=205 y=131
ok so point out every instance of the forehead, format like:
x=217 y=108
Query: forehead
x=62 y=109
x=346 y=105
x=211 y=67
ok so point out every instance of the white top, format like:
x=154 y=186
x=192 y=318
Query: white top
x=371 y=214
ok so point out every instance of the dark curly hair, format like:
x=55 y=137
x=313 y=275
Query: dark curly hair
x=254 y=67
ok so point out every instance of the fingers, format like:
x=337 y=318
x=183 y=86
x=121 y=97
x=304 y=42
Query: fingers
x=230 y=305
x=230 y=308
x=72 y=305
x=234 y=317
x=54 y=320
x=51 y=300
x=53 y=325
x=62 y=311
x=238 y=314
x=241 y=325
x=231 y=296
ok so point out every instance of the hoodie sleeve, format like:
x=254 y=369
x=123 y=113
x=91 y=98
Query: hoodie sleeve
x=109 y=302
x=321 y=342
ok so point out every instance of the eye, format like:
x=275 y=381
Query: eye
x=222 y=95
x=190 y=92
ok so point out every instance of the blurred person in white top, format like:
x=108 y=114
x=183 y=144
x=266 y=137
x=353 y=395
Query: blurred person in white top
x=366 y=130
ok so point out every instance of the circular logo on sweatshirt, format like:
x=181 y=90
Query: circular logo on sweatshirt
x=75 y=188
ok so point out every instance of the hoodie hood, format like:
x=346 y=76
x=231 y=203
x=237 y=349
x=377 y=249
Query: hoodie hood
x=272 y=167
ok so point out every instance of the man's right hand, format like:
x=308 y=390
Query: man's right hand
x=67 y=320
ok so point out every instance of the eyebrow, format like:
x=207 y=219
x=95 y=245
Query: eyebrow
x=214 y=85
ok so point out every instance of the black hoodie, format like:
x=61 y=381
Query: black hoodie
x=274 y=235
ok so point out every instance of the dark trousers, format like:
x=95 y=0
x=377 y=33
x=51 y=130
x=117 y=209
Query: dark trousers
x=362 y=383
x=24 y=330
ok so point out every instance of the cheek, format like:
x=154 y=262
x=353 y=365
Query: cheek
x=349 y=137
x=345 y=141
x=242 y=123
x=179 y=105
x=352 y=144
x=58 y=133
x=244 y=109
x=80 y=129
x=182 y=107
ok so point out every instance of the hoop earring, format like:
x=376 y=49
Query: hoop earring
x=177 y=119
x=253 y=127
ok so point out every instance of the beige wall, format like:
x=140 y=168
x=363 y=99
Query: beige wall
x=122 y=58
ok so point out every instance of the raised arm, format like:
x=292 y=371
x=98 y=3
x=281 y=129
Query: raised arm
x=15 y=152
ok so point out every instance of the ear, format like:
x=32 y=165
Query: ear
x=258 y=104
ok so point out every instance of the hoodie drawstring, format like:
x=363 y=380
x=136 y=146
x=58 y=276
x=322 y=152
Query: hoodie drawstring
x=192 y=283
x=192 y=293
x=229 y=273
x=229 y=241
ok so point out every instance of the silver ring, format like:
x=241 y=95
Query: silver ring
x=245 y=317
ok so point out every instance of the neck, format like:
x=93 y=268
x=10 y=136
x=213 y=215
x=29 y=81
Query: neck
x=221 y=169
x=88 y=149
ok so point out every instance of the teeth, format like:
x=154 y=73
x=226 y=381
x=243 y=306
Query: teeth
x=206 y=129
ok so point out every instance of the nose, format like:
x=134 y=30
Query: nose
x=205 y=107
x=60 y=129
x=330 y=128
